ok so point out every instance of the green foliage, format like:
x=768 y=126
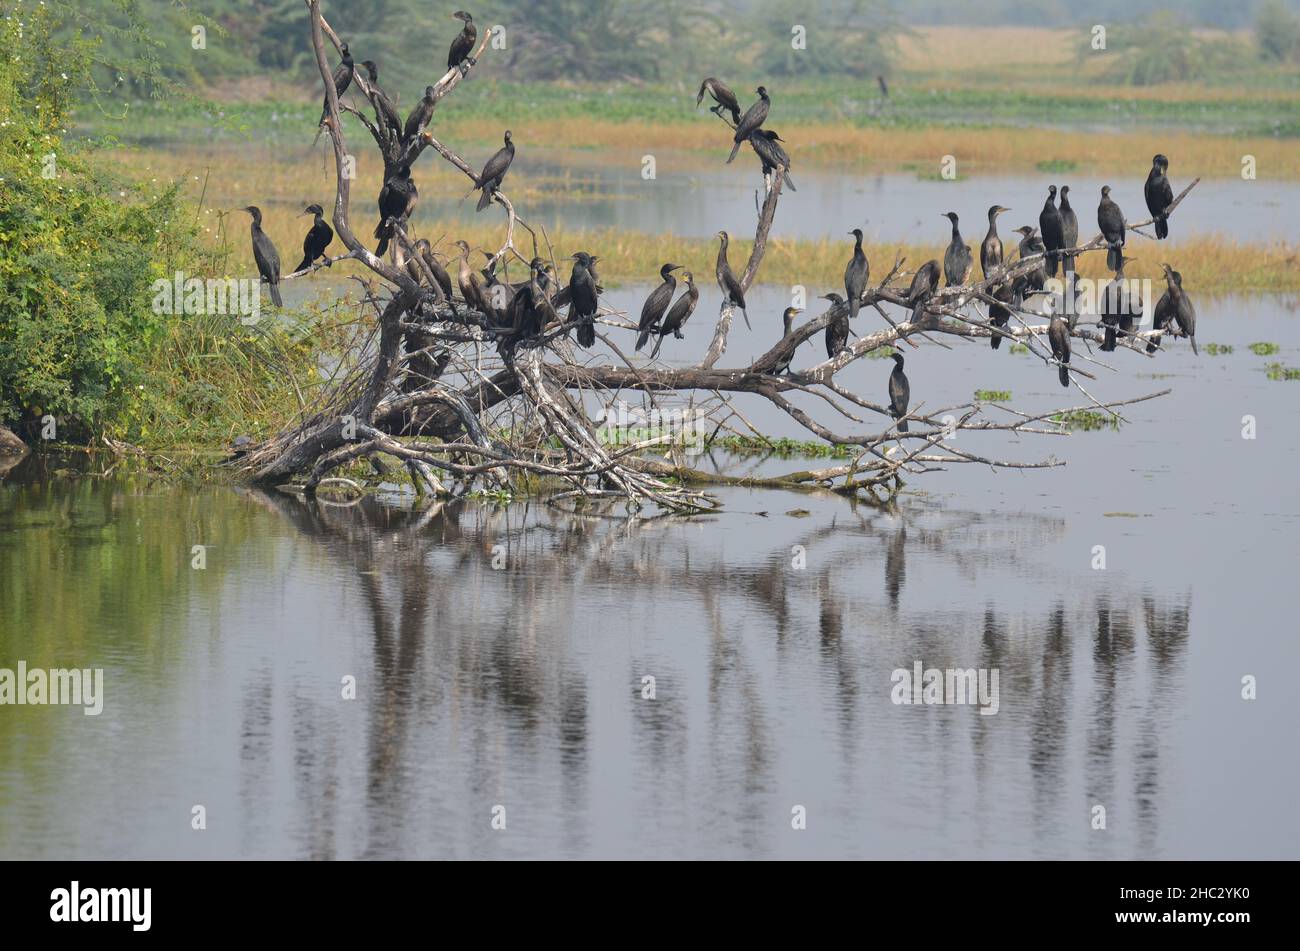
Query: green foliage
x=1264 y=349
x=857 y=37
x=1277 y=30
x=1162 y=48
x=1086 y=420
x=992 y=396
x=1218 y=349
x=1278 y=371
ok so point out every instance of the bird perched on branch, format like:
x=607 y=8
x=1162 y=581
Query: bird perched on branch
x=384 y=107
x=343 y=73
x=1111 y=222
x=440 y=275
x=463 y=44
x=837 y=331
x=1069 y=230
x=1031 y=244
x=957 y=259
x=900 y=393
x=1117 y=307
x=420 y=115
x=489 y=180
x=1049 y=225
x=753 y=119
x=265 y=255
x=1058 y=335
x=787 y=323
x=1159 y=195
x=584 y=292
x=679 y=313
x=924 y=283
x=652 y=311
x=732 y=292
x=396 y=202
x=856 y=274
x=1181 y=310
x=767 y=145
x=318 y=238
x=725 y=100
x=991 y=246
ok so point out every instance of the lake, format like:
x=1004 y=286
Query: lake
x=499 y=651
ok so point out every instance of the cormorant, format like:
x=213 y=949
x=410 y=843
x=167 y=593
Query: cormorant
x=767 y=145
x=991 y=246
x=396 y=202
x=856 y=274
x=924 y=283
x=1159 y=195
x=383 y=105
x=652 y=311
x=583 y=295
x=1049 y=224
x=1116 y=307
x=679 y=313
x=342 y=79
x=957 y=259
x=1000 y=313
x=722 y=95
x=1111 y=221
x=318 y=239
x=1183 y=313
x=1058 y=335
x=732 y=292
x=440 y=275
x=463 y=44
x=489 y=180
x=787 y=322
x=1031 y=244
x=1163 y=313
x=420 y=115
x=837 y=331
x=471 y=284
x=1069 y=229
x=264 y=253
x=900 y=393
x=753 y=119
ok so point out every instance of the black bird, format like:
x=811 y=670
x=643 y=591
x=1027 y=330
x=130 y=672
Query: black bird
x=396 y=202
x=722 y=95
x=1030 y=244
x=1000 y=313
x=583 y=295
x=531 y=308
x=1058 y=335
x=924 y=283
x=884 y=87
x=900 y=393
x=837 y=331
x=957 y=259
x=420 y=115
x=1049 y=224
x=1111 y=221
x=342 y=79
x=384 y=107
x=767 y=145
x=753 y=119
x=440 y=275
x=856 y=274
x=264 y=253
x=1116 y=307
x=679 y=313
x=1182 y=311
x=1069 y=229
x=319 y=236
x=463 y=44
x=473 y=288
x=489 y=180
x=787 y=322
x=1159 y=195
x=1163 y=313
x=732 y=292
x=991 y=246
x=652 y=311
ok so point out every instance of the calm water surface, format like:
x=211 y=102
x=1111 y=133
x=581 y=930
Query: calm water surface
x=521 y=687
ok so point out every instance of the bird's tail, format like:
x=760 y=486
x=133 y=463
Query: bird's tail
x=306 y=263
x=902 y=426
x=1110 y=339
x=855 y=304
x=1162 y=228
x=382 y=248
x=1152 y=344
x=734 y=149
x=484 y=199
x=587 y=332
x=1192 y=340
x=1113 y=257
x=1064 y=372
x=275 y=295
x=654 y=354
x=995 y=341
x=644 y=336
x=746 y=316
x=789 y=182
x=1052 y=259
x=735 y=115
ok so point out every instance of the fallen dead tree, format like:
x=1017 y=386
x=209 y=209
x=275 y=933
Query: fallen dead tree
x=459 y=396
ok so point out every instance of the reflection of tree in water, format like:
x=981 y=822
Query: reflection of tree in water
x=493 y=654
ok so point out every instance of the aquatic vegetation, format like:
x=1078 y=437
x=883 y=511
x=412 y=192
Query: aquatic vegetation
x=1086 y=420
x=992 y=396
x=1264 y=349
x=1277 y=371
x=1217 y=349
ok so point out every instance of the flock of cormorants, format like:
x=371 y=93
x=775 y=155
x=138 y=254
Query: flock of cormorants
x=521 y=310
